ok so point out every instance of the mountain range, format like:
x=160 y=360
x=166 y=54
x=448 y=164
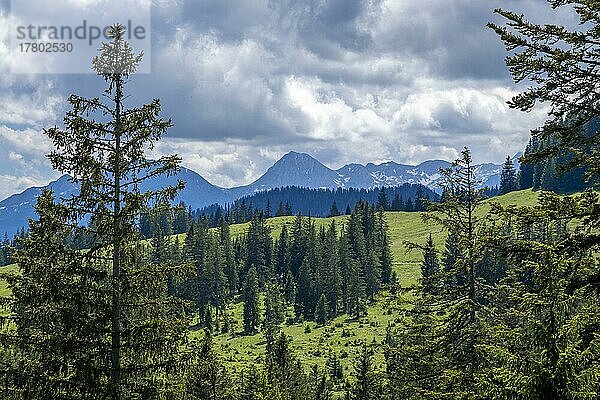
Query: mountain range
x=293 y=169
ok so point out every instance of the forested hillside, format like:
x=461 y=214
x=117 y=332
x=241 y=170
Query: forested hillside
x=472 y=298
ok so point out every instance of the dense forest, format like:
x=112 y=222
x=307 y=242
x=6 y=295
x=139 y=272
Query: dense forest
x=506 y=307
x=293 y=200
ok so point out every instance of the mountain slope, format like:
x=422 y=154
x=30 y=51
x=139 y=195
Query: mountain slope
x=198 y=192
x=392 y=174
x=16 y=209
x=293 y=169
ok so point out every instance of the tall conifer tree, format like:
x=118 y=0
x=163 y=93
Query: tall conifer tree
x=508 y=177
x=102 y=148
x=251 y=307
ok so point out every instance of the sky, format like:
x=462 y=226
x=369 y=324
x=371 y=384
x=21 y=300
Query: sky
x=347 y=81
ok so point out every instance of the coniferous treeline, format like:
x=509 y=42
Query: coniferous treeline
x=7 y=247
x=307 y=272
x=510 y=298
x=509 y=309
x=557 y=172
x=291 y=200
x=288 y=201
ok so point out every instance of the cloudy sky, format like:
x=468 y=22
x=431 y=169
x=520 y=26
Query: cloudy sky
x=246 y=81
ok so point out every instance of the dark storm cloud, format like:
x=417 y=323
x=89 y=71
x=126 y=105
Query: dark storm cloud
x=327 y=28
x=450 y=38
x=235 y=56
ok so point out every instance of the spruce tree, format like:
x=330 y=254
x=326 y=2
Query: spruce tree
x=334 y=211
x=208 y=319
x=344 y=266
x=382 y=200
x=321 y=311
x=419 y=199
x=414 y=367
x=543 y=310
x=230 y=265
x=274 y=311
x=297 y=245
x=258 y=248
x=255 y=385
x=161 y=247
x=362 y=268
x=280 y=210
x=430 y=268
x=458 y=211
x=561 y=64
x=288 y=209
x=396 y=203
x=305 y=301
x=285 y=370
x=525 y=175
x=207 y=378
x=250 y=297
x=383 y=246
x=333 y=276
x=508 y=177
x=333 y=364
x=320 y=387
x=217 y=284
x=451 y=360
x=54 y=346
x=290 y=288
x=357 y=298
x=102 y=148
x=367 y=385
x=452 y=250
x=282 y=255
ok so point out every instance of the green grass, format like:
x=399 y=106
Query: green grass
x=277 y=223
x=4 y=290
x=342 y=336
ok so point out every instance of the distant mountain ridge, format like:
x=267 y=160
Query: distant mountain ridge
x=293 y=169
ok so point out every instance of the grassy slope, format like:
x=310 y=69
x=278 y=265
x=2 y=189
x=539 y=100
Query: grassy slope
x=4 y=290
x=313 y=347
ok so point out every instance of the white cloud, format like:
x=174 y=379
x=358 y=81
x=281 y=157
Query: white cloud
x=12 y=156
x=22 y=160
x=11 y=184
x=32 y=108
x=27 y=141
